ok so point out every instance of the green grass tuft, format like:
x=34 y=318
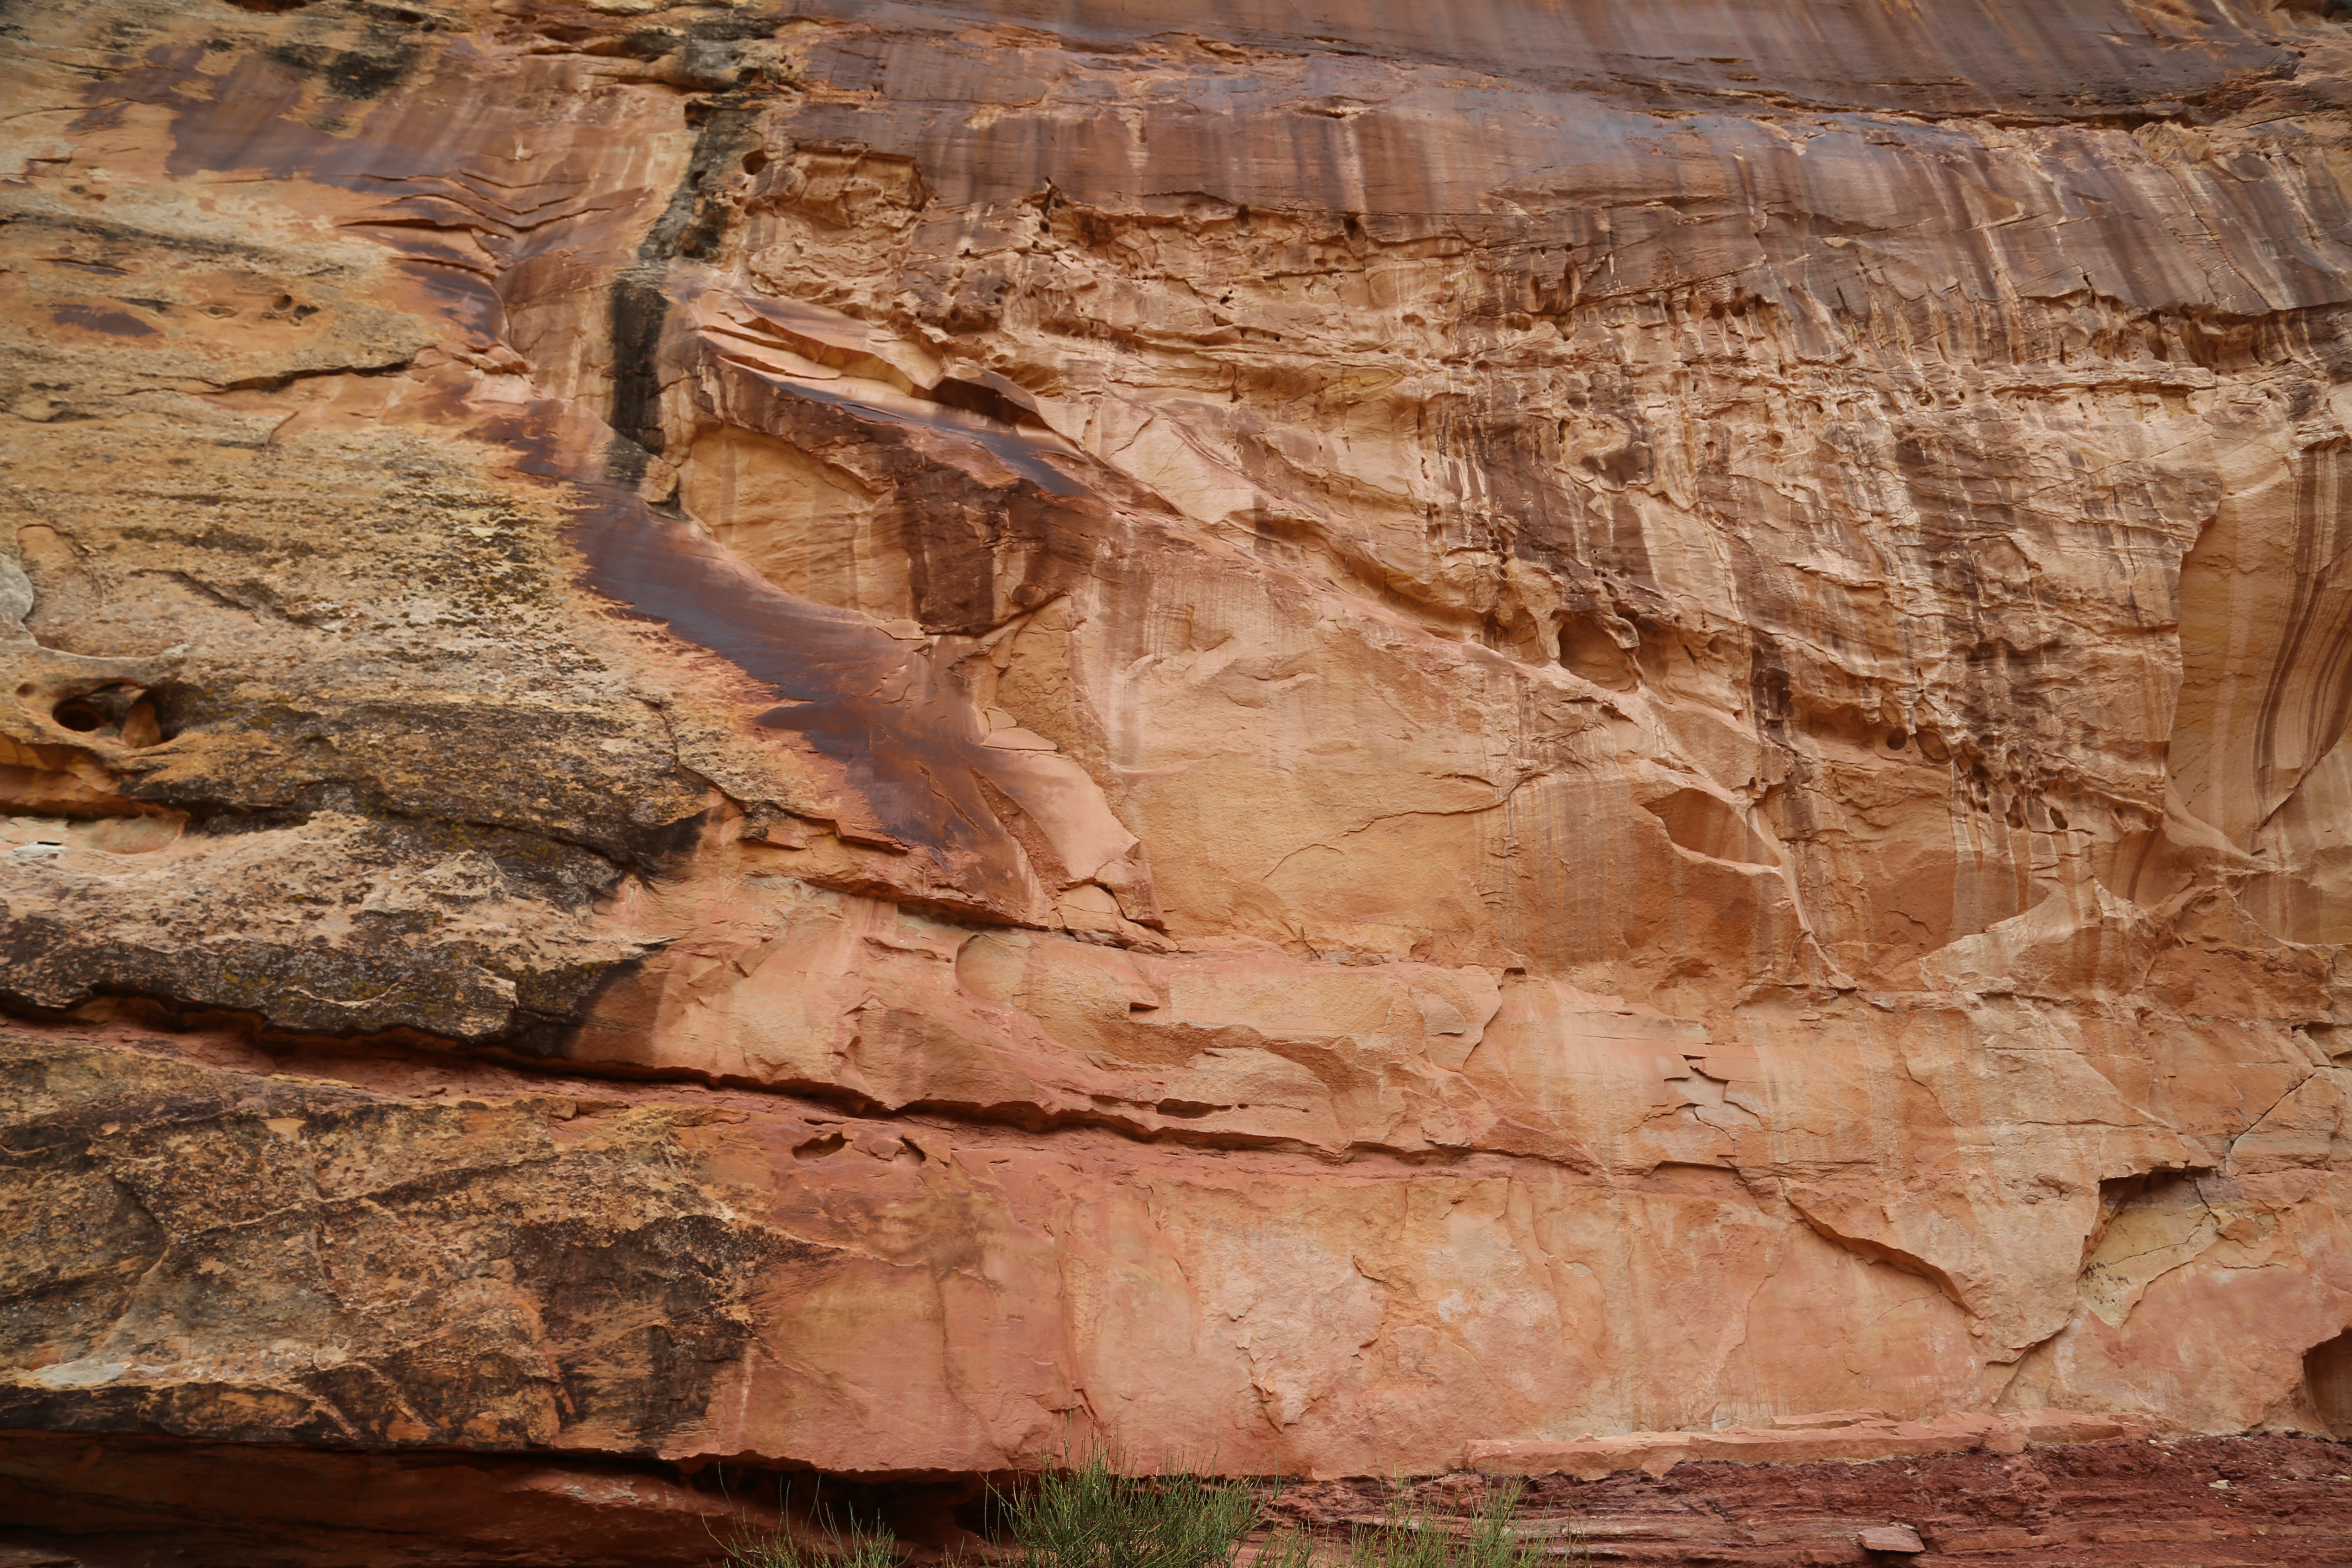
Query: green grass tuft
x=1090 y=1515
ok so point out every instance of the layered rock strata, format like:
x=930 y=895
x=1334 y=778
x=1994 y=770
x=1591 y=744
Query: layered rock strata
x=881 y=736
x=2246 y=1502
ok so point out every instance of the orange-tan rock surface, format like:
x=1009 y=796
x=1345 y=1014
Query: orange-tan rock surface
x=1320 y=739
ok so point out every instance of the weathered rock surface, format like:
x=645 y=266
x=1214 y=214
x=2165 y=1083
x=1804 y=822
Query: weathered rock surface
x=873 y=736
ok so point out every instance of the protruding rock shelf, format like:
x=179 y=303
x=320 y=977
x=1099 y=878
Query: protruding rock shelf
x=1853 y=1437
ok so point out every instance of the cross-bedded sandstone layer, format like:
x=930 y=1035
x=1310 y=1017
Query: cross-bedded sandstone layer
x=1313 y=738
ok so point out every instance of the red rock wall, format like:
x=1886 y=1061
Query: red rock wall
x=876 y=736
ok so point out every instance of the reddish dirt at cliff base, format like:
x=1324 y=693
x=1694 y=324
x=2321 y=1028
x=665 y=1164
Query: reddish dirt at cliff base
x=2288 y=1504
x=2129 y=1505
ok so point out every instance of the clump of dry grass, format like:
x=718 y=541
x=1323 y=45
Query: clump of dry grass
x=844 y=1544
x=781 y=1550
x=1411 y=1534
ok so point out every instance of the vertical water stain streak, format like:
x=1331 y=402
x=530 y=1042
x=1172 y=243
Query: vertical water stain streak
x=637 y=308
x=908 y=741
x=2308 y=698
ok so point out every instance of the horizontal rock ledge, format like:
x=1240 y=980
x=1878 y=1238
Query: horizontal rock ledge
x=1801 y=1440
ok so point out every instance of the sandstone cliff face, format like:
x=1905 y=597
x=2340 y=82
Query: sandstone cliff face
x=878 y=735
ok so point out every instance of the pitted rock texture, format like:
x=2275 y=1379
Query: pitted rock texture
x=1315 y=739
